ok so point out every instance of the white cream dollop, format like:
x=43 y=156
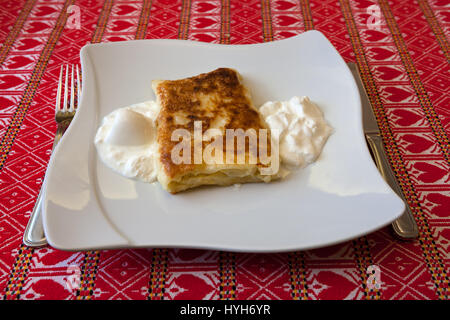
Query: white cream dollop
x=302 y=129
x=126 y=141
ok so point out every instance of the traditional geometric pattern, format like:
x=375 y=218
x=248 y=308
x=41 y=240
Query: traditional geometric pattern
x=19 y=273
x=364 y=260
x=142 y=26
x=425 y=235
x=299 y=286
x=31 y=44
x=193 y=274
x=15 y=30
x=440 y=9
x=422 y=95
x=284 y=19
x=306 y=12
x=157 y=284
x=88 y=274
x=227 y=269
x=434 y=25
x=225 y=22
x=266 y=14
x=245 y=22
x=404 y=61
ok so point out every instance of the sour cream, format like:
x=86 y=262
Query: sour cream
x=301 y=128
x=126 y=141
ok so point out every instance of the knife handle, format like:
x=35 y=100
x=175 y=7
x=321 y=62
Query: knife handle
x=405 y=226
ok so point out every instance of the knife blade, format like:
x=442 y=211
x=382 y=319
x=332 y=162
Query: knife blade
x=405 y=226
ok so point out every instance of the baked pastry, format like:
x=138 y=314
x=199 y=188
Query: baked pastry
x=196 y=115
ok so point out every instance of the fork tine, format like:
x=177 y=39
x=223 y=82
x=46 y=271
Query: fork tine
x=72 y=91
x=78 y=85
x=66 y=89
x=58 y=93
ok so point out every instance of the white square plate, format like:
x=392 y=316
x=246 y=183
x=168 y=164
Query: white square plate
x=339 y=197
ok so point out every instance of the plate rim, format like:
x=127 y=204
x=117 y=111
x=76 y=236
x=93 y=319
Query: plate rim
x=85 y=60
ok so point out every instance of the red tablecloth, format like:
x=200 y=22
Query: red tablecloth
x=402 y=50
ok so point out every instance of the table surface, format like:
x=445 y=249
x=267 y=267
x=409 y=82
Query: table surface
x=402 y=51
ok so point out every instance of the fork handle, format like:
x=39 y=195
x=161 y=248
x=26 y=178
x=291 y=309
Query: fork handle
x=34 y=235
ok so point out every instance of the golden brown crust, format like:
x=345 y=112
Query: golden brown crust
x=210 y=98
x=219 y=100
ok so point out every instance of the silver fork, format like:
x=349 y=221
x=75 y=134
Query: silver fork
x=34 y=233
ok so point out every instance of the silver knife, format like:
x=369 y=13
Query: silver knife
x=405 y=226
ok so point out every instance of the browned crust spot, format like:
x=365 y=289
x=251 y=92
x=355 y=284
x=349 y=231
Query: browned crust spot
x=208 y=97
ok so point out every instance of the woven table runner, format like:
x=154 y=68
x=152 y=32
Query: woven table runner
x=402 y=51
